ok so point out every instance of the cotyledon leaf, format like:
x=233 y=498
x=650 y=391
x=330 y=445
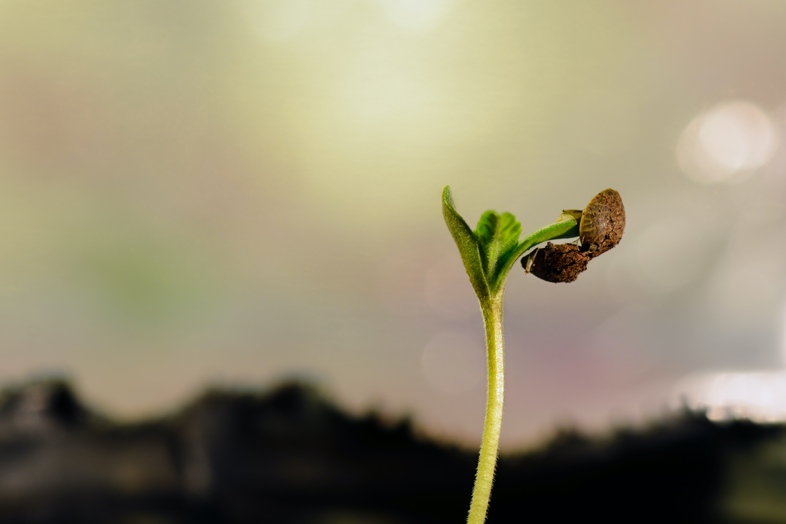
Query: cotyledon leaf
x=490 y=251
x=467 y=244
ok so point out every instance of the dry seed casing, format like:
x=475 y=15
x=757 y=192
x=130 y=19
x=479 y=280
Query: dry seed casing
x=556 y=262
x=602 y=223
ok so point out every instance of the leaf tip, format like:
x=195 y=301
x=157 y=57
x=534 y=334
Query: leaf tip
x=447 y=196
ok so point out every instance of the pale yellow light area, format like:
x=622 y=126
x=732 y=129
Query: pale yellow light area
x=280 y=20
x=374 y=101
x=383 y=126
x=417 y=15
x=381 y=88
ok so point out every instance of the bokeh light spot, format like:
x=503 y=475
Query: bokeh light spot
x=727 y=143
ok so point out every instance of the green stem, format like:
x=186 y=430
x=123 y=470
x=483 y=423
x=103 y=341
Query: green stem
x=488 y=254
x=481 y=493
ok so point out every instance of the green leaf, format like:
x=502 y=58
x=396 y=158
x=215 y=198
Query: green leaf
x=498 y=236
x=491 y=250
x=467 y=245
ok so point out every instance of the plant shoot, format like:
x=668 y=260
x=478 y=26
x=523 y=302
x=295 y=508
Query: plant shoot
x=488 y=252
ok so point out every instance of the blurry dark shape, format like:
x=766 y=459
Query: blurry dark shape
x=40 y=406
x=291 y=457
x=602 y=223
x=556 y=262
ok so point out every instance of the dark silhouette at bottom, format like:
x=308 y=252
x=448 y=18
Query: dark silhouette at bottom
x=289 y=456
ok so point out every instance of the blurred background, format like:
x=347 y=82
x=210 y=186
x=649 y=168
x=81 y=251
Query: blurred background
x=241 y=192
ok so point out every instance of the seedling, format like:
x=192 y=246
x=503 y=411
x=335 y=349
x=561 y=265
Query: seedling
x=489 y=253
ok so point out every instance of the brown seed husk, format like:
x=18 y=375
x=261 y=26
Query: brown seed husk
x=556 y=262
x=602 y=223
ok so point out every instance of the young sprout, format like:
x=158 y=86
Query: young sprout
x=488 y=253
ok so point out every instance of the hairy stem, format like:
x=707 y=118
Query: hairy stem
x=481 y=493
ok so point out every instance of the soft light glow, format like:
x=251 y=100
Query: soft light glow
x=381 y=86
x=727 y=143
x=454 y=363
x=280 y=20
x=756 y=396
x=416 y=15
